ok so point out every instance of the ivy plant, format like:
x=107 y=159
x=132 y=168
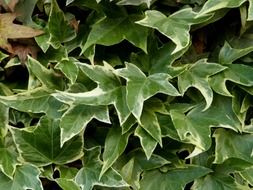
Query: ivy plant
x=126 y=94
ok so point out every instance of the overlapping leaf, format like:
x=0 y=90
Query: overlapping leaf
x=108 y=91
x=194 y=127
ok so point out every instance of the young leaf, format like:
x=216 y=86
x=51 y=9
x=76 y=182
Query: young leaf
x=59 y=28
x=176 y=27
x=75 y=119
x=232 y=145
x=173 y=179
x=42 y=146
x=110 y=31
x=8 y=30
x=88 y=176
x=197 y=76
x=26 y=177
x=115 y=144
x=141 y=87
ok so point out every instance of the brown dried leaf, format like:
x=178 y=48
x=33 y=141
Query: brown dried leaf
x=9 y=30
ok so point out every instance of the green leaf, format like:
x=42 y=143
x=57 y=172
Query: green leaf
x=88 y=176
x=138 y=163
x=75 y=119
x=197 y=76
x=110 y=31
x=67 y=184
x=108 y=91
x=173 y=179
x=248 y=175
x=36 y=101
x=59 y=28
x=194 y=126
x=236 y=73
x=4 y=118
x=229 y=55
x=163 y=58
x=26 y=177
x=69 y=68
x=232 y=145
x=42 y=146
x=217 y=182
x=115 y=144
x=135 y=2
x=24 y=10
x=47 y=77
x=214 y=5
x=148 y=143
x=141 y=87
x=9 y=155
x=176 y=27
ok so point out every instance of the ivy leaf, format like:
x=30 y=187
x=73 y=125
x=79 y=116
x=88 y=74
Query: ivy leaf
x=232 y=145
x=148 y=143
x=135 y=2
x=26 y=177
x=176 y=27
x=214 y=5
x=69 y=68
x=141 y=87
x=173 y=179
x=217 y=182
x=194 y=127
x=75 y=119
x=9 y=30
x=115 y=144
x=108 y=91
x=4 y=118
x=138 y=163
x=58 y=24
x=9 y=156
x=197 y=76
x=36 y=101
x=229 y=55
x=236 y=73
x=42 y=146
x=88 y=176
x=248 y=175
x=47 y=77
x=110 y=31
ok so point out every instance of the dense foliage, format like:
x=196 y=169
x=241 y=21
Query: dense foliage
x=126 y=94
